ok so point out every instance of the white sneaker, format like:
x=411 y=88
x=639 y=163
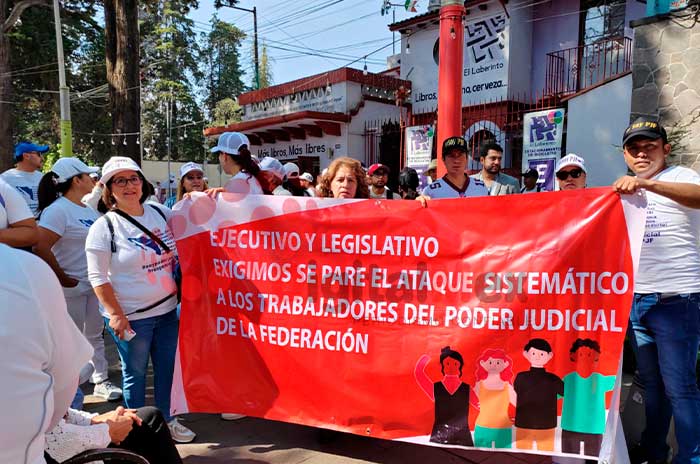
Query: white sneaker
x=107 y=391
x=227 y=416
x=180 y=433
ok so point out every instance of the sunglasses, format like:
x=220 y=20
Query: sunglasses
x=122 y=181
x=574 y=173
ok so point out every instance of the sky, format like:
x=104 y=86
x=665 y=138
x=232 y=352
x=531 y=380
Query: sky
x=296 y=30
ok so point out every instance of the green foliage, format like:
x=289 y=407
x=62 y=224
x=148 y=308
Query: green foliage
x=265 y=69
x=227 y=111
x=221 y=61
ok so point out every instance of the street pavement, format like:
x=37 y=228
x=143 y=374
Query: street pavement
x=258 y=441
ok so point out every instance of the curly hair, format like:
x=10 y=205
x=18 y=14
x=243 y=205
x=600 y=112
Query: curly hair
x=356 y=168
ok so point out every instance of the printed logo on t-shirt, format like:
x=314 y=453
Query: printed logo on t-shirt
x=26 y=190
x=145 y=242
x=86 y=222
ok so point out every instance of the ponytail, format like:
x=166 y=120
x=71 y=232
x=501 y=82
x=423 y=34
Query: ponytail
x=245 y=161
x=50 y=189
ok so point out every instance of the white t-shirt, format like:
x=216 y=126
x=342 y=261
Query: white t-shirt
x=26 y=183
x=312 y=192
x=13 y=208
x=443 y=188
x=670 y=260
x=41 y=356
x=281 y=191
x=140 y=271
x=243 y=182
x=71 y=222
x=383 y=195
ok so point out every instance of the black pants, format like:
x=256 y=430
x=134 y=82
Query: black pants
x=571 y=442
x=151 y=440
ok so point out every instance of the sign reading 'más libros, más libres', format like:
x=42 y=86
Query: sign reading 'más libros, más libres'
x=485 y=71
x=292 y=150
x=329 y=99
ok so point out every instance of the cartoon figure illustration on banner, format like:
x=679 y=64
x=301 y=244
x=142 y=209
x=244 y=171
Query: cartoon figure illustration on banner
x=493 y=388
x=536 y=404
x=583 y=411
x=451 y=396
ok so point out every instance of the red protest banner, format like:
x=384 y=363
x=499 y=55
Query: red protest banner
x=452 y=325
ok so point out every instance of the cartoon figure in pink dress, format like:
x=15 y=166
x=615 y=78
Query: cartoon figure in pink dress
x=494 y=389
x=451 y=397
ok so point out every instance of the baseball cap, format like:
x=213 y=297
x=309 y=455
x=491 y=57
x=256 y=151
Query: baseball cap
x=431 y=166
x=571 y=160
x=531 y=173
x=291 y=169
x=272 y=165
x=189 y=167
x=307 y=177
x=25 y=147
x=452 y=143
x=644 y=127
x=117 y=164
x=231 y=142
x=65 y=168
x=375 y=167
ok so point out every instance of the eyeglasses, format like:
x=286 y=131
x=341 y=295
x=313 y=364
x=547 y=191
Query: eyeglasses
x=574 y=173
x=122 y=181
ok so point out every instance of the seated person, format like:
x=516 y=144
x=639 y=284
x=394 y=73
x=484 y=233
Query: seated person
x=142 y=431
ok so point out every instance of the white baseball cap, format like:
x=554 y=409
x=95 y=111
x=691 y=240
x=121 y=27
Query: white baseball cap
x=273 y=165
x=231 y=142
x=189 y=167
x=117 y=164
x=65 y=168
x=291 y=169
x=571 y=160
x=307 y=177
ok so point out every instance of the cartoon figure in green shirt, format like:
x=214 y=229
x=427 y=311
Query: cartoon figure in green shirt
x=583 y=412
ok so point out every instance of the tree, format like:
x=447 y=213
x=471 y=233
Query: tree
x=265 y=69
x=122 y=43
x=227 y=112
x=9 y=16
x=171 y=57
x=222 y=64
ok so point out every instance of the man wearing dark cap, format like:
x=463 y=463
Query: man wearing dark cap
x=29 y=158
x=455 y=184
x=530 y=184
x=665 y=315
x=379 y=175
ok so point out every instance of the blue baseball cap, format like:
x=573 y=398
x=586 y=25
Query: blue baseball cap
x=24 y=147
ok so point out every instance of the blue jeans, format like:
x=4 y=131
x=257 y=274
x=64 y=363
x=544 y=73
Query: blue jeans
x=157 y=337
x=666 y=338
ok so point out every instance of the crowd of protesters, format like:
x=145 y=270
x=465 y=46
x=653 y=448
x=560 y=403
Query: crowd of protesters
x=107 y=241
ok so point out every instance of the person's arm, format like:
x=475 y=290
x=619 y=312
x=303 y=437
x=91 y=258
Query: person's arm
x=512 y=396
x=20 y=234
x=67 y=440
x=47 y=239
x=98 y=267
x=422 y=378
x=683 y=193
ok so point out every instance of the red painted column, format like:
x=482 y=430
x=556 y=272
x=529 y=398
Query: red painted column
x=449 y=117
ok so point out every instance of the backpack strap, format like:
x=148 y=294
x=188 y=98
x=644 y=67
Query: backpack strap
x=110 y=226
x=160 y=212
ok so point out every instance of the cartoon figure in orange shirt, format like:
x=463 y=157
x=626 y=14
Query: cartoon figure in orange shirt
x=451 y=397
x=494 y=388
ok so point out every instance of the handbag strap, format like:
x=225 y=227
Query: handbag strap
x=143 y=229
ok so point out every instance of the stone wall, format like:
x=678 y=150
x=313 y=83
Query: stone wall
x=666 y=79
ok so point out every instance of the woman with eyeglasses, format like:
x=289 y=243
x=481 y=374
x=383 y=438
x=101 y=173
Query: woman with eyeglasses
x=131 y=255
x=571 y=172
x=191 y=180
x=64 y=222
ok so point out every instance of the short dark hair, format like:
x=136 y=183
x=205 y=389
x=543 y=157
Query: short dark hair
x=489 y=146
x=447 y=352
x=587 y=342
x=538 y=344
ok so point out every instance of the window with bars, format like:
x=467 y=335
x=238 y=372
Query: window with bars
x=602 y=20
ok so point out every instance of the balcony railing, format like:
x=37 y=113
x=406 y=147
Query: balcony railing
x=575 y=69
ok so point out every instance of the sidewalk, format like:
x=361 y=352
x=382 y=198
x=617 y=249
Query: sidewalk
x=258 y=441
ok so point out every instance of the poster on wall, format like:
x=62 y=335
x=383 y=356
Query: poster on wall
x=485 y=68
x=542 y=140
x=419 y=148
